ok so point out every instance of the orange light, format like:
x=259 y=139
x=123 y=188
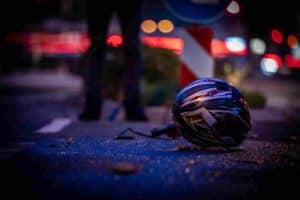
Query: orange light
x=165 y=26
x=148 y=26
x=218 y=48
x=292 y=41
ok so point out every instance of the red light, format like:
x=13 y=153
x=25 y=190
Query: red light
x=172 y=43
x=114 y=40
x=291 y=61
x=276 y=36
x=218 y=48
x=275 y=57
x=55 y=43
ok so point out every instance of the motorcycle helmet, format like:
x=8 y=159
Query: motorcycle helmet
x=211 y=112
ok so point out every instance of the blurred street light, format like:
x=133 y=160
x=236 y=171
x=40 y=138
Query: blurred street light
x=292 y=41
x=114 y=40
x=276 y=36
x=296 y=52
x=233 y=8
x=257 y=46
x=270 y=63
x=235 y=44
x=148 y=26
x=165 y=26
x=269 y=66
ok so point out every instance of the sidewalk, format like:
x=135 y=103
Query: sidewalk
x=50 y=80
x=42 y=80
x=280 y=94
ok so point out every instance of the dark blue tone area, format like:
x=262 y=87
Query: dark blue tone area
x=195 y=12
x=79 y=162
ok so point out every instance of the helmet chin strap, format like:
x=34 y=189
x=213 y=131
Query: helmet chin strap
x=155 y=132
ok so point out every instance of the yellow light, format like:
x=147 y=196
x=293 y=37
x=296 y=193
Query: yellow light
x=148 y=26
x=165 y=26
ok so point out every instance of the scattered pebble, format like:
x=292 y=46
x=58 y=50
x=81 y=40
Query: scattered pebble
x=125 y=168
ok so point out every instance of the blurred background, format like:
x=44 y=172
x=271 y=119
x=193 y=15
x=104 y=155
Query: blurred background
x=253 y=45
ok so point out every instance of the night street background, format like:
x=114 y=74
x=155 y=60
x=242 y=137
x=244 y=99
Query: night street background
x=47 y=153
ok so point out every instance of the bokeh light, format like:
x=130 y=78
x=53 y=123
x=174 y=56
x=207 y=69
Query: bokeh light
x=270 y=63
x=275 y=57
x=269 y=66
x=276 y=36
x=257 y=46
x=165 y=26
x=292 y=41
x=233 y=7
x=148 y=26
x=291 y=61
x=235 y=44
x=114 y=40
x=296 y=52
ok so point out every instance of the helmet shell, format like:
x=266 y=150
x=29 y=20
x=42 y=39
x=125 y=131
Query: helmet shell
x=211 y=112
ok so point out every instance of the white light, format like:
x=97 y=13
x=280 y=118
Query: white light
x=296 y=52
x=257 y=46
x=268 y=66
x=233 y=7
x=235 y=44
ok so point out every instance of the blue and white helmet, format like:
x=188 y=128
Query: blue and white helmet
x=211 y=112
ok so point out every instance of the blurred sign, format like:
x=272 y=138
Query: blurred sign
x=197 y=11
x=196 y=58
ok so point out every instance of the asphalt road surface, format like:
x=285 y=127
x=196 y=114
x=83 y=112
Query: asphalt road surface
x=45 y=153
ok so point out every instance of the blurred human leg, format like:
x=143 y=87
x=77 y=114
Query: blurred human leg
x=130 y=18
x=98 y=18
